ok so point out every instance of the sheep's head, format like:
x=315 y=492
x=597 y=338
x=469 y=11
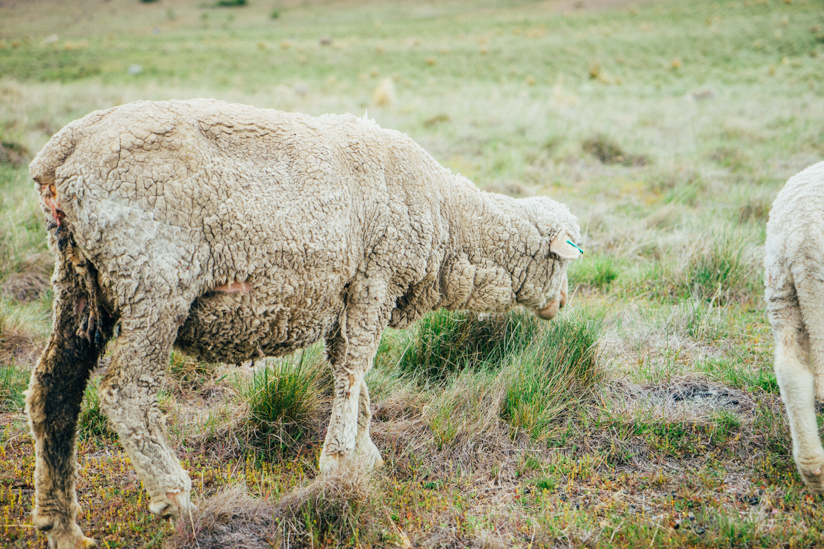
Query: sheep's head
x=552 y=243
x=565 y=250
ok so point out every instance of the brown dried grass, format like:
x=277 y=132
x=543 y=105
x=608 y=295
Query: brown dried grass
x=331 y=507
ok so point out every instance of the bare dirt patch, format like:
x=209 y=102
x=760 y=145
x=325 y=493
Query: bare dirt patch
x=681 y=400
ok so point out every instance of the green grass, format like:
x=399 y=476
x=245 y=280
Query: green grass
x=93 y=423
x=447 y=342
x=13 y=381
x=285 y=399
x=596 y=272
x=718 y=266
x=552 y=376
x=467 y=409
x=667 y=127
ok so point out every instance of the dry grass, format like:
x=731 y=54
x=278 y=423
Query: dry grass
x=21 y=339
x=328 y=509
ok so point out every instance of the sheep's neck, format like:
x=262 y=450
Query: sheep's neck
x=481 y=245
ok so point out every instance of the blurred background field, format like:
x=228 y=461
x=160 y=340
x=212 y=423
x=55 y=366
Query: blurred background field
x=646 y=415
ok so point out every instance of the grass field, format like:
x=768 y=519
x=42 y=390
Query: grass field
x=646 y=415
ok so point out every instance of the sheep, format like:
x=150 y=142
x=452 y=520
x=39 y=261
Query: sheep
x=794 y=280
x=233 y=233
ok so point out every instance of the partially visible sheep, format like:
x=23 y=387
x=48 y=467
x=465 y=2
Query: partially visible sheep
x=234 y=233
x=795 y=303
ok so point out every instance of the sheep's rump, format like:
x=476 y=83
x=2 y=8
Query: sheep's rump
x=178 y=198
x=794 y=249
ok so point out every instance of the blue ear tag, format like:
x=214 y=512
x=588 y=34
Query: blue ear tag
x=571 y=243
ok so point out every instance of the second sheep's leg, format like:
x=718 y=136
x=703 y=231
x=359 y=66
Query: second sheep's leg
x=796 y=381
x=351 y=351
x=128 y=396
x=802 y=353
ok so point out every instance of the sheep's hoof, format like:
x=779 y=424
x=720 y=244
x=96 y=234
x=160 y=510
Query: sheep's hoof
x=366 y=458
x=812 y=472
x=60 y=534
x=329 y=463
x=369 y=456
x=171 y=505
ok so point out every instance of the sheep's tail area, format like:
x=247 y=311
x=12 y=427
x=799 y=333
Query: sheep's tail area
x=81 y=327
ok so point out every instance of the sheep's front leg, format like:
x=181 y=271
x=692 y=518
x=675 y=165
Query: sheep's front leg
x=53 y=405
x=350 y=352
x=365 y=450
x=128 y=396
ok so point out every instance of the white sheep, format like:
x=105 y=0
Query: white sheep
x=234 y=233
x=794 y=280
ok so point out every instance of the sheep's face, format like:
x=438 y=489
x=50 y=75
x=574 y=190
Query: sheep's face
x=558 y=293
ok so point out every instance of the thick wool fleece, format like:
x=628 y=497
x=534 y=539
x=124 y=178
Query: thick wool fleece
x=795 y=303
x=234 y=232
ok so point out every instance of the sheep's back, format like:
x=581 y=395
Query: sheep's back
x=238 y=193
x=796 y=219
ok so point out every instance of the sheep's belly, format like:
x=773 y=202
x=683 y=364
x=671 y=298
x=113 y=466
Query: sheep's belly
x=234 y=328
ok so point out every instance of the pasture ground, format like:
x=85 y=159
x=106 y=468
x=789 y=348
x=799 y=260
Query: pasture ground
x=667 y=127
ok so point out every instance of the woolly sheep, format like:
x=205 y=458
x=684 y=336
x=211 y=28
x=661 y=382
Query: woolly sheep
x=233 y=233
x=794 y=294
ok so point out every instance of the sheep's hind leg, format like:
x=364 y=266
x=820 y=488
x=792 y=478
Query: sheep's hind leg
x=799 y=362
x=351 y=351
x=128 y=396
x=53 y=406
x=793 y=370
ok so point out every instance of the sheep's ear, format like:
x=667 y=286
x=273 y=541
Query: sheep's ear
x=563 y=247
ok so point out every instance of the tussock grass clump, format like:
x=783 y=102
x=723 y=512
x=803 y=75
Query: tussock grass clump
x=552 y=374
x=445 y=342
x=331 y=511
x=21 y=333
x=721 y=269
x=13 y=381
x=333 y=508
x=720 y=266
x=467 y=409
x=230 y=518
x=286 y=399
x=609 y=152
